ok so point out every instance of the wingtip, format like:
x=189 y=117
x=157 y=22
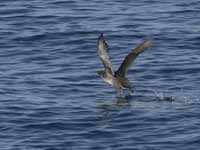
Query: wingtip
x=147 y=43
x=101 y=36
x=101 y=39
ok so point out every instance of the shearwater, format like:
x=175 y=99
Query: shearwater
x=117 y=79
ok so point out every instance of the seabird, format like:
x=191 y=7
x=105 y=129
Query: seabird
x=117 y=79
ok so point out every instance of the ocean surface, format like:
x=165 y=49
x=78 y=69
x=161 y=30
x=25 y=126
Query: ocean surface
x=51 y=97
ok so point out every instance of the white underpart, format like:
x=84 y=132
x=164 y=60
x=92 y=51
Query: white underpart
x=109 y=81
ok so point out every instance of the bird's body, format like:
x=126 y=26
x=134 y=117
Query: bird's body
x=117 y=83
x=117 y=79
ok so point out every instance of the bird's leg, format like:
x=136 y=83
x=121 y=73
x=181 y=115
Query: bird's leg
x=130 y=90
x=119 y=92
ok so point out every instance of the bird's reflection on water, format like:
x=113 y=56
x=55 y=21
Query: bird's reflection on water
x=129 y=101
x=110 y=109
x=117 y=103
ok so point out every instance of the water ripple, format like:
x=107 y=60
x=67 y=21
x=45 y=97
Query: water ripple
x=52 y=97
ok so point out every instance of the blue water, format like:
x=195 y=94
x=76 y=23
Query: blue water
x=52 y=99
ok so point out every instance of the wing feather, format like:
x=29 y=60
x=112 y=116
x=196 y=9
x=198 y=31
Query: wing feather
x=102 y=50
x=121 y=72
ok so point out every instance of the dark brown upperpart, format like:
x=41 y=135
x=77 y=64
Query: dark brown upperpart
x=121 y=72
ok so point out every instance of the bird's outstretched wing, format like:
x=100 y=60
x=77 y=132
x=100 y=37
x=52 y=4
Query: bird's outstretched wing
x=102 y=50
x=121 y=72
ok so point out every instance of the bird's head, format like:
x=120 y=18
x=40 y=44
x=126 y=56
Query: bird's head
x=101 y=73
